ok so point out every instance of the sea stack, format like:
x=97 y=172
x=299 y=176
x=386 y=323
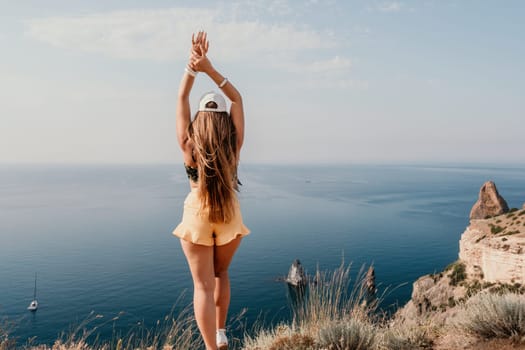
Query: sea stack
x=296 y=276
x=489 y=203
x=491 y=257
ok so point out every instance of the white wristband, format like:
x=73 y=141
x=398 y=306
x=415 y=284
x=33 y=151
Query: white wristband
x=190 y=71
x=221 y=85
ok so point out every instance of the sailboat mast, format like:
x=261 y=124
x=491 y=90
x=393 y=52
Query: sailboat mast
x=34 y=296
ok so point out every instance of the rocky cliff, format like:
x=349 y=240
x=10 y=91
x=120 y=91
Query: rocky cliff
x=493 y=249
x=491 y=256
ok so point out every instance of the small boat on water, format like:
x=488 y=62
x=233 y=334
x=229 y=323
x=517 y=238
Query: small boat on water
x=34 y=304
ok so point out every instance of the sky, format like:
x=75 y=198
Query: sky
x=322 y=81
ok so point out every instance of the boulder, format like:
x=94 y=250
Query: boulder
x=296 y=276
x=489 y=203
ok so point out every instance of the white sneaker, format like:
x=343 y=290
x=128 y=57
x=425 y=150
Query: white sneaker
x=222 y=340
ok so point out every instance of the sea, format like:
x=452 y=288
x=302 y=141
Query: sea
x=99 y=237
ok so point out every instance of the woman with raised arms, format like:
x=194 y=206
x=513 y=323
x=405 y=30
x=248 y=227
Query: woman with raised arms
x=212 y=227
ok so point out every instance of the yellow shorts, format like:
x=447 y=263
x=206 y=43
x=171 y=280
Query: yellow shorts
x=196 y=228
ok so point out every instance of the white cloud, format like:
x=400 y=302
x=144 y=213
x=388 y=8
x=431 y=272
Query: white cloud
x=337 y=83
x=250 y=8
x=336 y=64
x=391 y=6
x=163 y=35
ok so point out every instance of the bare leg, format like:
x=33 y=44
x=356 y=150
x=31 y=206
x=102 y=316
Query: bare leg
x=222 y=258
x=200 y=260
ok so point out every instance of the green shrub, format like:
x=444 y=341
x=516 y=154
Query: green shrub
x=451 y=302
x=494 y=229
x=480 y=238
x=351 y=334
x=451 y=265
x=458 y=273
x=505 y=288
x=436 y=277
x=473 y=288
x=494 y=316
x=510 y=233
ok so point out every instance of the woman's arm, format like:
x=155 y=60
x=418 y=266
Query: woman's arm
x=236 y=109
x=183 y=110
x=201 y=63
x=183 y=114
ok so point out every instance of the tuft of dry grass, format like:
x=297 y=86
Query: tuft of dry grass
x=263 y=338
x=295 y=341
x=401 y=336
x=332 y=297
x=355 y=334
x=333 y=313
x=489 y=316
x=174 y=333
x=6 y=342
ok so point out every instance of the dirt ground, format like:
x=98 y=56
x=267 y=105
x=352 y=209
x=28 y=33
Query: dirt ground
x=451 y=342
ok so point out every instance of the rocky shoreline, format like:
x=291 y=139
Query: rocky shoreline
x=491 y=257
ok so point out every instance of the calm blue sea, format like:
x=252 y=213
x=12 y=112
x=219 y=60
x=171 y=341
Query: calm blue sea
x=99 y=236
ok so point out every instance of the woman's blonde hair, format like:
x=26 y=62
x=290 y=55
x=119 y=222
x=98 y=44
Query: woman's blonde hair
x=215 y=152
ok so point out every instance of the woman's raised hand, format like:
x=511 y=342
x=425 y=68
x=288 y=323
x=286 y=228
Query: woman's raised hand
x=199 y=48
x=199 y=44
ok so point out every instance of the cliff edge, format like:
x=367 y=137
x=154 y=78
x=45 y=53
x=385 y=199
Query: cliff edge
x=491 y=256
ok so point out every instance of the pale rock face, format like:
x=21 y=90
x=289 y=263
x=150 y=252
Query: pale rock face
x=489 y=203
x=296 y=275
x=470 y=253
x=429 y=295
x=491 y=258
x=492 y=250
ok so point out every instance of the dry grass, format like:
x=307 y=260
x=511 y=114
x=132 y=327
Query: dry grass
x=6 y=327
x=490 y=316
x=407 y=337
x=174 y=333
x=352 y=334
x=332 y=297
x=332 y=314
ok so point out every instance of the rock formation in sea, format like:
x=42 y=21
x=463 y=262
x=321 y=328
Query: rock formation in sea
x=296 y=276
x=491 y=256
x=489 y=203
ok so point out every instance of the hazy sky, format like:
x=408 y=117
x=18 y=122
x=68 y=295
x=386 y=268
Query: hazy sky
x=322 y=81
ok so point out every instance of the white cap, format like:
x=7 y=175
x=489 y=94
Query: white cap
x=212 y=96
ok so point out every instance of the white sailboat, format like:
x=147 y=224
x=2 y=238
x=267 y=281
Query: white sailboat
x=34 y=304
